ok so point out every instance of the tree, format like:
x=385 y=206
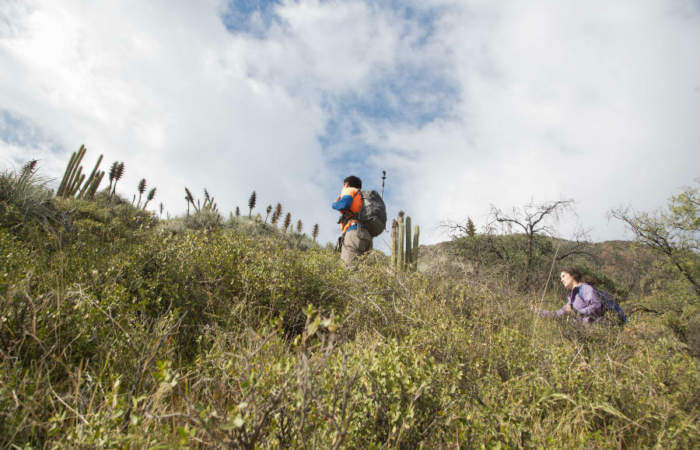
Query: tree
x=673 y=232
x=314 y=233
x=251 y=204
x=533 y=219
x=268 y=211
x=300 y=226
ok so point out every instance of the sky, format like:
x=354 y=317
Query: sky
x=465 y=104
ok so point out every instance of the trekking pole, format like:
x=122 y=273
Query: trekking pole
x=549 y=277
x=383 y=178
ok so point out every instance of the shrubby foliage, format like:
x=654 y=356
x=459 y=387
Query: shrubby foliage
x=118 y=331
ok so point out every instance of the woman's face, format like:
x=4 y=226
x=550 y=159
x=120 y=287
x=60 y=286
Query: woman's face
x=567 y=280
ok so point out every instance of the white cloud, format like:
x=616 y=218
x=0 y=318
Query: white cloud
x=558 y=100
x=524 y=100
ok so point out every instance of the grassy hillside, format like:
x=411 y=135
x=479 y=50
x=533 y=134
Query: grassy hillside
x=117 y=329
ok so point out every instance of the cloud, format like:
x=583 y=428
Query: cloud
x=557 y=101
x=465 y=104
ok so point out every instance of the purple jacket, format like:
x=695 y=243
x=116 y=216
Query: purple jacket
x=585 y=301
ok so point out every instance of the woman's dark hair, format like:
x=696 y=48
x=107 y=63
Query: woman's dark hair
x=353 y=181
x=578 y=276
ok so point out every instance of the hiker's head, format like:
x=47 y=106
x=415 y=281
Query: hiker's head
x=570 y=277
x=353 y=182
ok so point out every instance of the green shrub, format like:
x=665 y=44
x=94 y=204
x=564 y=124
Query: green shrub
x=24 y=197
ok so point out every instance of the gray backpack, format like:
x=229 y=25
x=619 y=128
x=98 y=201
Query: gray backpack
x=372 y=216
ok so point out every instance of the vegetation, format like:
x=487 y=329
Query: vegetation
x=674 y=233
x=251 y=204
x=118 y=330
x=404 y=249
x=72 y=183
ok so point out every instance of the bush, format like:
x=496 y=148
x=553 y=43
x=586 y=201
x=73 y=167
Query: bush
x=116 y=332
x=24 y=198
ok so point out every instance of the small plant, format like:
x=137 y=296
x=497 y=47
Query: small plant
x=116 y=172
x=141 y=189
x=251 y=204
x=30 y=168
x=149 y=197
x=26 y=194
x=287 y=222
x=277 y=214
x=470 y=227
x=206 y=215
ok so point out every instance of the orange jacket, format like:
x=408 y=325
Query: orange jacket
x=349 y=203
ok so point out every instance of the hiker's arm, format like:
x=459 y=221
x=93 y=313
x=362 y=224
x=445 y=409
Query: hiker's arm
x=343 y=203
x=563 y=310
x=592 y=301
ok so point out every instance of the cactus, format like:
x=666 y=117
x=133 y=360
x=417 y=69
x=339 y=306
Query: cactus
x=400 y=259
x=414 y=251
x=93 y=175
x=95 y=184
x=79 y=178
x=404 y=246
x=72 y=174
x=394 y=242
x=407 y=253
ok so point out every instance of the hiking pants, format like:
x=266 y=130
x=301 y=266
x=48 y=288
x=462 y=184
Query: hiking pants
x=355 y=243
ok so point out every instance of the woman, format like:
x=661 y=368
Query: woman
x=582 y=299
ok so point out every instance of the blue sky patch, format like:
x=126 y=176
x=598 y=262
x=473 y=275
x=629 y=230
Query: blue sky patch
x=15 y=130
x=249 y=16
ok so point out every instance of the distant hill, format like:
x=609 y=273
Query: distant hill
x=626 y=264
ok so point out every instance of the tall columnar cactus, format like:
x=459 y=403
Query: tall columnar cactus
x=394 y=242
x=72 y=172
x=94 y=185
x=77 y=181
x=407 y=253
x=400 y=259
x=414 y=251
x=91 y=179
x=404 y=247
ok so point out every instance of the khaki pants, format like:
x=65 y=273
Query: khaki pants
x=355 y=243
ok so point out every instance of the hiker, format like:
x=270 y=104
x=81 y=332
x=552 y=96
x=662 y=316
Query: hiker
x=583 y=299
x=355 y=239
